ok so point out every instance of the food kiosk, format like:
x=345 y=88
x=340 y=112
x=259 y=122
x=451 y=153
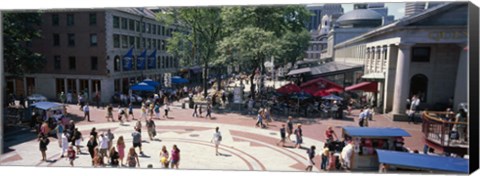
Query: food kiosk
x=366 y=139
x=50 y=110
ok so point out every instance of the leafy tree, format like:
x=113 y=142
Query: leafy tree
x=206 y=30
x=18 y=31
x=293 y=46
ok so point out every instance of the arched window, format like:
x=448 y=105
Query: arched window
x=117 y=63
x=419 y=86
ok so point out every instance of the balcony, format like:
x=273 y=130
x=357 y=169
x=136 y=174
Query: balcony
x=437 y=130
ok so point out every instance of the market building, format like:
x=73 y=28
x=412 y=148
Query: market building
x=86 y=51
x=423 y=54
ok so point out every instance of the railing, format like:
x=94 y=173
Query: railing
x=436 y=129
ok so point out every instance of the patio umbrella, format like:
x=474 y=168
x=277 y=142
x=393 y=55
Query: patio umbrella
x=288 y=89
x=300 y=96
x=333 y=89
x=321 y=93
x=332 y=97
x=179 y=80
x=151 y=82
x=142 y=87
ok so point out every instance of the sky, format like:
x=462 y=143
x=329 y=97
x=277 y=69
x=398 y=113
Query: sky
x=396 y=9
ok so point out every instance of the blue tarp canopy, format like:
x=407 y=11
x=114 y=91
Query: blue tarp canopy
x=142 y=87
x=375 y=132
x=179 y=80
x=421 y=161
x=151 y=82
x=45 y=105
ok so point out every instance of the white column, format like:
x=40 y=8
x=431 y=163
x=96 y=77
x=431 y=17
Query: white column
x=77 y=87
x=461 y=83
x=402 y=76
x=2 y=80
x=65 y=85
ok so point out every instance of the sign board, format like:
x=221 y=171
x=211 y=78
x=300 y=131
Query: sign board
x=168 y=79
x=237 y=95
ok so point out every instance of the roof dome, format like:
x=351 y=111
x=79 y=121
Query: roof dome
x=361 y=18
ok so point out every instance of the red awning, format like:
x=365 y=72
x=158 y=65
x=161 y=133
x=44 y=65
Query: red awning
x=364 y=86
x=334 y=89
x=322 y=83
x=289 y=88
x=321 y=93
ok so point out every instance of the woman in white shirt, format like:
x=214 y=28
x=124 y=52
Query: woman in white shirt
x=217 y=138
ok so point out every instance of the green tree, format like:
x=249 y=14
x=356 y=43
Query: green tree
x=269 y=31
x=206 y=30
x=19 y=31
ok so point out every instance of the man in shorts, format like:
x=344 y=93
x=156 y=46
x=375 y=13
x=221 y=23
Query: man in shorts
x=137 y=140
x=283 y=136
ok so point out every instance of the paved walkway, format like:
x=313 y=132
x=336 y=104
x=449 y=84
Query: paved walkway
x=244 y=147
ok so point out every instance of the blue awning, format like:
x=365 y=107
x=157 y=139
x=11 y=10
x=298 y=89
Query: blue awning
x=421 y=161
x=142 y=87
x=375 y=132
x=45 y=105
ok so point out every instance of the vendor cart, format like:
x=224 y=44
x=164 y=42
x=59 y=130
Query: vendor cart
x=365 y=140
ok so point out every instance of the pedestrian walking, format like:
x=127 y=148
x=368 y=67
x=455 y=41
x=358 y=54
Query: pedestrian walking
x=151 y=109
x=62 y=97
x=195 y=111
x=110 y=137
x=311 y=156
x=103 y=145
x=132 y=158
x=114 y=156
x=137 y=140
x=332 y=161
x=130 y=111
x=259 y=119
x=157 y=111
x=92 y=145
x=86 y=111
x=282 y=136
x=94 y=133
x=361 y=117
x=144 y=111
x=97 y=99
x=289 y=127
x=209 y=112
x=77 y=139
x=110 y=113
x=151 y=128
x=325 y=155
x=329 y=134
x=69 y=97
x=138 y=126
x=216 y=139
x=414 y=108
x=97 y=158
x=175 y=158
x=59 y=130
x=71 y=155
x=121 y=113
x=164 y=157
x=299 y=136
x=200 y=111
x=121 y=149
x=64 y=147
x=460 y=125
x=44 y=141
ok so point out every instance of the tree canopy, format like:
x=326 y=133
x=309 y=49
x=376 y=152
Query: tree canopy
x=18 y=31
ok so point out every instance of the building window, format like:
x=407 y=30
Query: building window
x=71 y=39
x=124 y=23
x=164 y=47
x=131 y=25
x=137 y=25
x=124 y=41
x=117 y=63
x=116 y=41
x=116 y=22
x=421 y=54
x=154 y=43
x=92 y=19
x=55 y=19
x=154 y=29
x=93 y=39
x=143 y=43
x=94 y=63
x=159 y=45
x=138 y=42
x=70 y=20
x=159 y=30
x=144 y=25
x=149 y=28
x=149 y=43
x=56 y=39
x=131 y=41
x=57 y=63
x=163 y=30
x=72 y=65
